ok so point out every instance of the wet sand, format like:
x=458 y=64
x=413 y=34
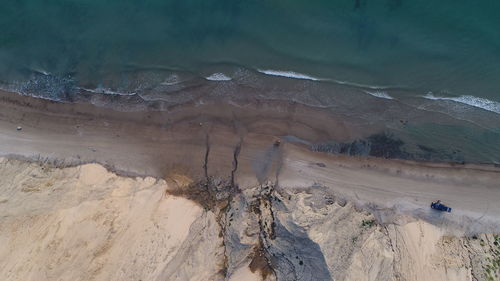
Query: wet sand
x=147 y=143
x=280 y=194
x=229 y=141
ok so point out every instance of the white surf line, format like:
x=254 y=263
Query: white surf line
x=106 y=91
x=218 y=77
x=298 y=75
x=380 y=94
x=483 y=103
x=372 y=87
x=41 y=71
x=289 y=74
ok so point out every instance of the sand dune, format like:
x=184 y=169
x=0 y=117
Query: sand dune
x=86 y=223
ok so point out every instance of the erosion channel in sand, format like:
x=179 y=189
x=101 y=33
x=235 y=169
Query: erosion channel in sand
x=205 y=192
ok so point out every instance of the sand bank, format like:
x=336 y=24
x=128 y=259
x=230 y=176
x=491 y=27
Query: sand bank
x=238 y=143
x=86 y=223
x=217 y=198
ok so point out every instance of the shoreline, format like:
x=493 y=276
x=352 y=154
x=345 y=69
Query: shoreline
x=208 y=182
x=295 y=122
x=221 y=141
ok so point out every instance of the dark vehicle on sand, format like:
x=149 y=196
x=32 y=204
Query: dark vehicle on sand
x=440 y=206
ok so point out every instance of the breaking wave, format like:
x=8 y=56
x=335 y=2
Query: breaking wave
x=101 y=90
x=218 y=77
x=297 y=75
x=289 y=74
x=380 y=94
x=483 y=103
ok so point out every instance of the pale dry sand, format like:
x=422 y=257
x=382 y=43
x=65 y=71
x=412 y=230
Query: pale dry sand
x=403 y=187
x=86 y=223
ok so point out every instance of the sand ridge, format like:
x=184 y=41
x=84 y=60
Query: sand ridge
x=86 y=223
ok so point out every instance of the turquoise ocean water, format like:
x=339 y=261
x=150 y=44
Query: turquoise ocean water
x=435 y=56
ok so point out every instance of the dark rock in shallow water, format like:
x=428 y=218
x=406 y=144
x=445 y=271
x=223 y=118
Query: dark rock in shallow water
x=385 y=145
x=431 y=154
x=378 y=145
x=357 y=147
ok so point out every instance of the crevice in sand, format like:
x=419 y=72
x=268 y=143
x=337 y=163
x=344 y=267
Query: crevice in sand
x=262 y=260
x=236 y=153
x=279 y=164
x=216 y=195
x=221 y=210
x=221 y=219
x=224 y=209
x=207 y=153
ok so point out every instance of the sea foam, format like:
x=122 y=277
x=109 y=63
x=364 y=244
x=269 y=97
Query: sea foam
x=218 y=77
x=380 y=94
x=483 y=103
x=298 y=75
x=289 y=74
x=102 y=90
x=173 y=79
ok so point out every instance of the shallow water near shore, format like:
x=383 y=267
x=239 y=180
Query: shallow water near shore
x=446 y=46
x=424 y=73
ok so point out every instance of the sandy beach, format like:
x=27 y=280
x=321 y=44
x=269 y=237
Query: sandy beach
x=229 y=140
x=222 y=192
